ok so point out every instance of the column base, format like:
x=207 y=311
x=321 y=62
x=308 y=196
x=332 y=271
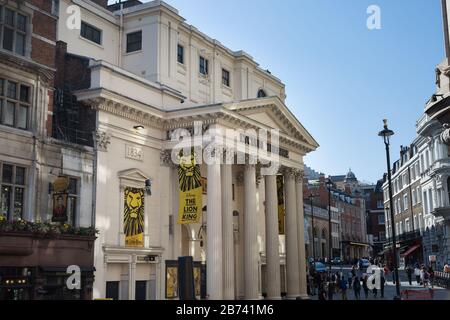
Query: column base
x=291 y=297
x=303 y=297
x=273 y=298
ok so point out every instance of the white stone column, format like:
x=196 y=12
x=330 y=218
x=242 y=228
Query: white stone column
x=301 y=236
x=132 y=278
x=228 y=236
x=272 y=243
x=292 y=266
x=250 y=234
x=214 y=274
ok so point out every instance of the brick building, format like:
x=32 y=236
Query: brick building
x=348 y=219
x=41 y=222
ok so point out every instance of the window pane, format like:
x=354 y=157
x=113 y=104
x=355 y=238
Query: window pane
x=8 y=35
x=9 y=17
x=12 y=90
x=72 y=186
x=2 y=84
x=18 y=203
x=180 y=54
x=91 y=33
x=22 y=117
x=7 y=173
x=21 y=22
x=20 y=44
x=8 y=114
x=24 y=94
x=20 y=176
x=5 y=200
x=71 y=210
x=134 y=41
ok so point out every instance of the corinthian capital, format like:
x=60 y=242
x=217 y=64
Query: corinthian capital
x=445 y=135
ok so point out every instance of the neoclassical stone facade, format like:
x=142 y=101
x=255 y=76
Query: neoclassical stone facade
x=183 y=80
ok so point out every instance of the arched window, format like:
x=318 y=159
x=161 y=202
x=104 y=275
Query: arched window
x=261 y=93
x=324 y=234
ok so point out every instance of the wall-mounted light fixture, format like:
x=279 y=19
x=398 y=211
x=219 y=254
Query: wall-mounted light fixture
x=139 y=127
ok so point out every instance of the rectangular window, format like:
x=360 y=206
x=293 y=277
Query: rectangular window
x=225 y=77
x=407 y=227
x=134 y=41
x=382 y=235
x=13 y=31
x=14 y=104
x=91 y=33
x=12 y=201
x=414 y=197
x=405 y=202
x=381 y=219
x=203 y=66
x=380 y=204
x=180 y=54
x=72 y=201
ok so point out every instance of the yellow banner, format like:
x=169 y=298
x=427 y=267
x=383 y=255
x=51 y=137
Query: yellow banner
x=133 y=220
x=190 y=199
x=280 y=196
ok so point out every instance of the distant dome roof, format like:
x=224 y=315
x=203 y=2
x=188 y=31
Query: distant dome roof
x=350 y=176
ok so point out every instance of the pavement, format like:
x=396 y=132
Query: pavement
x=417 y=291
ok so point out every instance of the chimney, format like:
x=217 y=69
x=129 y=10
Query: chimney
x=61 y=50
x=101 y=3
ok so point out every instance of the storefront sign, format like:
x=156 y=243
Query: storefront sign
x=134 y=217
x=190 y=197
x=59 y=207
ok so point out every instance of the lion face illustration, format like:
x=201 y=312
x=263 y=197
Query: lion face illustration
x=188 y=172
x=134 y=211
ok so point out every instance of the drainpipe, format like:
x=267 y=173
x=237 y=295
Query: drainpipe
x=94 y=173
x=120 y=36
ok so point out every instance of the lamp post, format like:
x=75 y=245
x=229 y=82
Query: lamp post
x=385 y=134
x=311 y=198
x=329 y=184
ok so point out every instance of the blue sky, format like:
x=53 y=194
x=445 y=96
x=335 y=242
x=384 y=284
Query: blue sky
x=341 y=78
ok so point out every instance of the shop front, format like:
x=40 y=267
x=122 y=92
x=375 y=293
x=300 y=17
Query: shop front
x=36 y=267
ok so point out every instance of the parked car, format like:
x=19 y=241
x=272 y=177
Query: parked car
x=363 y=263
x=336 y=260
x=319 y=266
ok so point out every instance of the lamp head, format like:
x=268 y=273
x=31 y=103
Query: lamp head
x=329 y=183
x=386 y=132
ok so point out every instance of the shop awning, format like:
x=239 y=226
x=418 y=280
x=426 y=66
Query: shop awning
x=359 y=244
x=410 y=250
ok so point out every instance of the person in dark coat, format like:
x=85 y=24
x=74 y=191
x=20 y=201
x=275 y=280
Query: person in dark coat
x=409 y=272
x=364 y=285
x=357 y=287
x=382 y=282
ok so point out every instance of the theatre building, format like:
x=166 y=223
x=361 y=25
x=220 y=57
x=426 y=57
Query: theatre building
x=46 y=182
x=149 y=74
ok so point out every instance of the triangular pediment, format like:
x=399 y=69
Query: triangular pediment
x=133 y=174
x=272 y=112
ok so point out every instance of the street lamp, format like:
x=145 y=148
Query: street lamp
x=329 y=184
x=311 y=198
x=385 y=134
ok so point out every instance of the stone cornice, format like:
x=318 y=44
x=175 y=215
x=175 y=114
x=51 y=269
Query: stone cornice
x=157 y=118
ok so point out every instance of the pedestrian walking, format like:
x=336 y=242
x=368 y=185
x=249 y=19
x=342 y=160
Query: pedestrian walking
x=364 y=285
x=343 y=287
x=417 y=274
x=446 y=268
x=409 y=272
x=382 y=282
x=431 y=276
x=357 y=287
